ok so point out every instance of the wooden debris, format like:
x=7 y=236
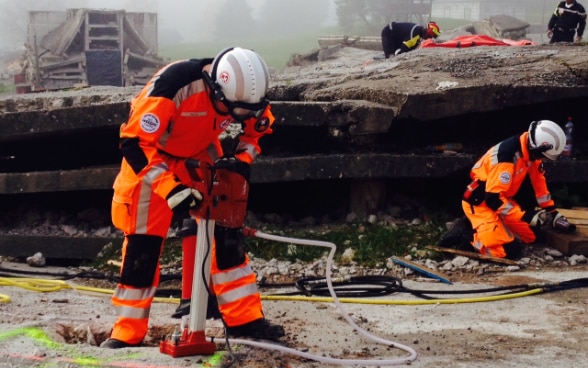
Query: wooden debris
x=473 y=255
x=570 y=244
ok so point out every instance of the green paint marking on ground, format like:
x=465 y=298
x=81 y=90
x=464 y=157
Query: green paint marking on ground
x=32 y=332
x=40 y=336
x=216 y=358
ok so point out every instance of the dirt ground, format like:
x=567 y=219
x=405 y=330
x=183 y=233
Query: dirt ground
x=61 y=328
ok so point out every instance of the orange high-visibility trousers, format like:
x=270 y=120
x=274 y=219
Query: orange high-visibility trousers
x=493 y=230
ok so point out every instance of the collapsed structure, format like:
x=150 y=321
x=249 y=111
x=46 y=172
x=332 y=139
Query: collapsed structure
x=81 y=47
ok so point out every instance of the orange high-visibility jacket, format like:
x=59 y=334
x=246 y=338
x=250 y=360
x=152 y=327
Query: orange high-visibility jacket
x=173 y=116
x=496 y=217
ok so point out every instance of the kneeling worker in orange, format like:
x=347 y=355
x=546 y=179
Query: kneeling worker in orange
x=499 y=222
x=175 y=119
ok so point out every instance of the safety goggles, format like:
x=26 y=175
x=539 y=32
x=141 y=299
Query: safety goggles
x=238 y=110
x=243 y=111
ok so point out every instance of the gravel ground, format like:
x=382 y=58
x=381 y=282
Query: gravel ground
x=541 y=330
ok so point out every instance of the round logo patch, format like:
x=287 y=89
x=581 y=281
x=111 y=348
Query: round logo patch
x=505 y=177
x=262 y=124
x=150 y=123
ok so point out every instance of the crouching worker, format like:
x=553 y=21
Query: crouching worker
x=501 y=225
x=398 y=38
x=176 y=119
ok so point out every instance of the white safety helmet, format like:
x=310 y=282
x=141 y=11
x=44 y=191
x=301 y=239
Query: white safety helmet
x=240 y=79
x=547 y=135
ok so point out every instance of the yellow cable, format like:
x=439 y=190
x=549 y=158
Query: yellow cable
x=403 y=302
x=43 y=285
x=40 y=285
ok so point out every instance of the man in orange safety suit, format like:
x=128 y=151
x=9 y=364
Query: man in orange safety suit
x=178 y=116
x=500 y=224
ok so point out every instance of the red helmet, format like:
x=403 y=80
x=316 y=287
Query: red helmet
x=433 y=29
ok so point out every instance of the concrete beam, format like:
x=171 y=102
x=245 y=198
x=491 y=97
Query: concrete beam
x=277 y=170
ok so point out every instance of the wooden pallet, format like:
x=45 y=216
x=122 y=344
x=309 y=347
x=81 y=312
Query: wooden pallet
x=570 y=244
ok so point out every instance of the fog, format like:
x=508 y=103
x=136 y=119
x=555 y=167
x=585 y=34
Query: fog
x=178 y=20
x=190 y=21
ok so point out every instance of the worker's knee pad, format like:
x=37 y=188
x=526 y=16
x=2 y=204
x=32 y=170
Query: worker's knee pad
x=513 y=250
x=141 y=259
x=230 y=247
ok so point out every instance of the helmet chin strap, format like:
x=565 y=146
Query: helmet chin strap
x=216 y=95
x=536 y=153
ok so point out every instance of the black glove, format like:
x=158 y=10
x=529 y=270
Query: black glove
x=537 y=218
x=182 y=199
x=235 y=165
x=540 y=218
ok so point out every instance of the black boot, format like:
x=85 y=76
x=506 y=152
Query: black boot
x=459 y=235
x=211 y=311
x=513 y=250
x=258 y=329
x=111 y=343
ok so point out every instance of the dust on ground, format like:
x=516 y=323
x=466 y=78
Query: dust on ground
x=544 y=329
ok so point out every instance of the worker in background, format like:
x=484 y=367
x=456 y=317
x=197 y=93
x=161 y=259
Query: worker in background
x=569 y=18
x=178 y=116
x=402 y=37
x=500 y=223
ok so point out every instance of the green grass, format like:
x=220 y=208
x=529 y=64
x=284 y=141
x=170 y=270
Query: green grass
x=276 y=52
x=372 y=244
x=7 y=88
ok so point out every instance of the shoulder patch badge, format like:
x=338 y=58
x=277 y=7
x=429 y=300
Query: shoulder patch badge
x=262 y=124
x=149 y=123
x=505 y=177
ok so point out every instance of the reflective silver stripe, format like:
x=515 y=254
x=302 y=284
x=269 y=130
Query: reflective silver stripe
x=134 y=294
x=249 y=148
x=494 y=155
x=155 y=172
x=212 y=152
x=233 y=275
x=478 y=245
x=508 y=206
x=412 y=30
x=143 y=208
x=510 y=234
x=131 y=312
x=165 y=136
x=238 y=293
x=145 y=197
x=188 y=90
x=544 y=199
x=390 y=25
